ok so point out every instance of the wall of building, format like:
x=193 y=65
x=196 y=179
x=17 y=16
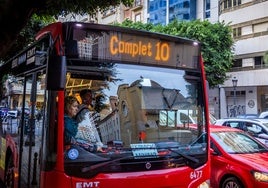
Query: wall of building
x=250 y=82
x=251 y=45
x=245 y=12
x=249 y=22
x=207 y=7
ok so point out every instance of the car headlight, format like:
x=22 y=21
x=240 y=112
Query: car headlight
x=260 y=176
x=205 y=184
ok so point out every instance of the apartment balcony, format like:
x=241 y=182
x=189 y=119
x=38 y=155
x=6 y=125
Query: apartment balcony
x=112 y=10
x=137 y=5
x=250 y=68
x=248 y=76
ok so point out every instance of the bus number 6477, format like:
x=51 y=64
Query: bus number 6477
x=196 y=174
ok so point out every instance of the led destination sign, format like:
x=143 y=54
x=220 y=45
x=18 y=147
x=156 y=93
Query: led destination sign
x=128 y=47
x=160 y=51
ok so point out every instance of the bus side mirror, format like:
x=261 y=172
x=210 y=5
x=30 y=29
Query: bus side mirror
x=56 y=73
x=71 y=49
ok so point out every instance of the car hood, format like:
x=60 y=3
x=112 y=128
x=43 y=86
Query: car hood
x=255 y=160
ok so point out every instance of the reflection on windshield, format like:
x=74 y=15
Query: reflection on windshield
x=237 y=142
x=144 y=113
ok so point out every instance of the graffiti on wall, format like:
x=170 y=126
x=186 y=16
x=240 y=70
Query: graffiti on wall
x=235 y=110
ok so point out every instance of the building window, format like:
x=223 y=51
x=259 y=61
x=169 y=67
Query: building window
x=264 y=102
x=236 y=2
x=137 y=17
x=137 y=3
x=163 y=3
x=236 y=32
x=207 y=8
x=181 y=10
x=238 y=93
x=109 y=11
x=186 y=4
x=226 y=4
x=260 y=27
x=229 y=3
x=258 y=61
x=237 y=63
x=186 y=16
x=207 y=15
x=246 y=30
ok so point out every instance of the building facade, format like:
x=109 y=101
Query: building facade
x=249 y=21
x=164 y=11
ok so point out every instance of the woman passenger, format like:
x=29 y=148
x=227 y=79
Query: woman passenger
x=70 y=124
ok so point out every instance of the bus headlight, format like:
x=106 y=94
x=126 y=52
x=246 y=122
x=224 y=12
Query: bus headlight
x=260 y=176
x=205 y=184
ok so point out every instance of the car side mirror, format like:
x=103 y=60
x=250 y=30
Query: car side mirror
x=213 y=152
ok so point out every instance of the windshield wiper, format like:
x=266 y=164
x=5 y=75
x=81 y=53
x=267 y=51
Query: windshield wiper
x=99 y=165
x=93 y=167
x=184 y=156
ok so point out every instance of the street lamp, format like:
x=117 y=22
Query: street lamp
x=234 y=80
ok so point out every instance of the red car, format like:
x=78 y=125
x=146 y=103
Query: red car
x=237 y=159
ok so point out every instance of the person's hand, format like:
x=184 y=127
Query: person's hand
x=100 y=149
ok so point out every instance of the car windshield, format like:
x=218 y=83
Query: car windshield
x=264 y=122
x=248 y=116
x=237 y=142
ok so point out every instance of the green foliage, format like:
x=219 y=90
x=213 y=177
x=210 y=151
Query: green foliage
x=216 y=39
x=40 y=13
x=100 y=102
x=136 y=25
x=27 y=34
x=64 y=7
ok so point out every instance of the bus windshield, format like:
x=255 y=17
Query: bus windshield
x=145 y=113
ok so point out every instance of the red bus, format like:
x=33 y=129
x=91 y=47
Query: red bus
x=150 y=95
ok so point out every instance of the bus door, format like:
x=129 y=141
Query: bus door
x=32 y=116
